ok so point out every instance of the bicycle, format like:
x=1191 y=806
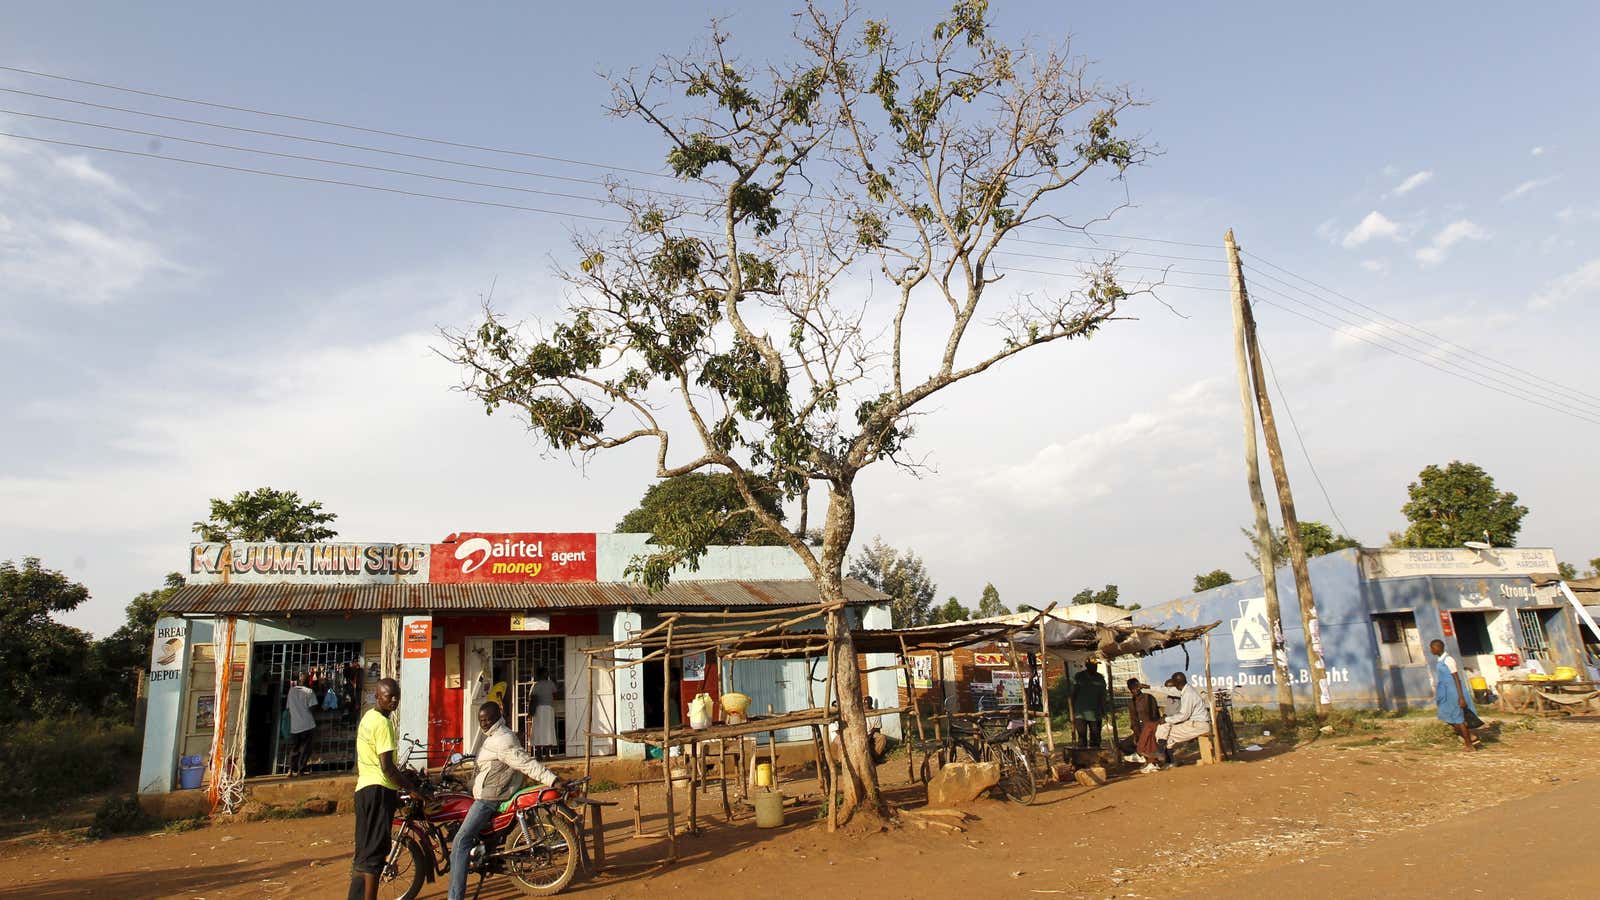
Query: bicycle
x=1010 y=745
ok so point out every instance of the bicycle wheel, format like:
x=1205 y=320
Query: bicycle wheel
x=548 y=866
x=1016 y=775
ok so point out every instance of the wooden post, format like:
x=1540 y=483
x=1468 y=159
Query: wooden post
x=1011 y=651
x=1252 y=463
x=1111 y=710
x=588 y=717
x=816 y=757
x=1044 y=696
x=827 y=744
x=938 y=678
x=666 y=746
x=694 y=783
x=1291 y=523
x=722 y=777
x=1211 y=700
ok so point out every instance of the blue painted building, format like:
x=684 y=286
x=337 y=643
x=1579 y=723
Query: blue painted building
x=1378 y=610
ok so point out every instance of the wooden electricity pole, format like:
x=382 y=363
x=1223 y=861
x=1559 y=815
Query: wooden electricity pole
x=1291 y=523
x=1252 y=462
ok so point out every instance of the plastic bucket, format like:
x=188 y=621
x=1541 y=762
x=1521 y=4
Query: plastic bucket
x=769 y=808
x=764 y=775
x=191 y=772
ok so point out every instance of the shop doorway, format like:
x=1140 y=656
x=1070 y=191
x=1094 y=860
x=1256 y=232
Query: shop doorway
x=336 y=670
x=1475 y=636
x=517 y=664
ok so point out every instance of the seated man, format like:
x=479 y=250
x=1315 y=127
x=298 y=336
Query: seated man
x=500 y=759
x=1191 y=720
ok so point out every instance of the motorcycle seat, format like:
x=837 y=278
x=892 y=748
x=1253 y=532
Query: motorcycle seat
x=535 y=789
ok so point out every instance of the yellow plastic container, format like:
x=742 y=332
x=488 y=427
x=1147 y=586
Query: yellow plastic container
x=763 y=775
x=1538 y=676
x=1478 y=683
x=1565 y=673
x=769 y=808
x=734 y=707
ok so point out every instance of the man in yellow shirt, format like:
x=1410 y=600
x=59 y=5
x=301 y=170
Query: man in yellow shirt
x=378 y=783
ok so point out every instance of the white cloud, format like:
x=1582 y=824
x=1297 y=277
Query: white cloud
x=1414 y=181
x=1452 y=234
x=71 y=232
x=1528 y=187
x=1093 y=465
x=1375 y=225
x=1373 y=265
x=1328 y=230
x=1537 y=151
x=1572 y=214
x=1575 y=285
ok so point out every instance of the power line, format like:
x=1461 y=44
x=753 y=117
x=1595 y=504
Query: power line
x=1428 y=351
x=1343 y=528
x=1424 y=331
x=1425 y=362
x=470 y=146
x=331 y=124
x=1419 y=346
x=467 y=200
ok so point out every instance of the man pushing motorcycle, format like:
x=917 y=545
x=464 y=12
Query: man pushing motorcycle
x=500 y=760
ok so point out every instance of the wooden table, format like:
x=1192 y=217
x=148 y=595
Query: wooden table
x=1524 y=696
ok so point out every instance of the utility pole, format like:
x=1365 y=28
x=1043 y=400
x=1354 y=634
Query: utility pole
x=1252 y=461
x=1291 y=522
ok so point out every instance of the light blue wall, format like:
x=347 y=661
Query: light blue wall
x=1349 y=644
x=158 y=765
x=613 y=553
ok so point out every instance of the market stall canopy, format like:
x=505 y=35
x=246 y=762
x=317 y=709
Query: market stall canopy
x=338 y=599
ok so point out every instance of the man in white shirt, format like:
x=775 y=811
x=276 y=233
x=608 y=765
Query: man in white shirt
x=301 y=702
x=1190 y=720
x=501 y=764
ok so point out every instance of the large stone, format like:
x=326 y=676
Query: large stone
x=959 y=783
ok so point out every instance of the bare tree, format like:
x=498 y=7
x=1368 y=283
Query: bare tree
x=736 y=312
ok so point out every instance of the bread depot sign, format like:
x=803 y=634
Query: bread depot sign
x=484 y=558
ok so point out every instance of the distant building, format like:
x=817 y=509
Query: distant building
x=1496 y=610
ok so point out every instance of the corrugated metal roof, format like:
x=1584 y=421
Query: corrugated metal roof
x=338 y=599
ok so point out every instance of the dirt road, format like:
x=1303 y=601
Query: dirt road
x=1349 y=817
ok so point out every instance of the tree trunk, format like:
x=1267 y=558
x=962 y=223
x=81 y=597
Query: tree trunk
x=859 y=775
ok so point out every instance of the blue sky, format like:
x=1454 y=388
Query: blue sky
x=170 y=333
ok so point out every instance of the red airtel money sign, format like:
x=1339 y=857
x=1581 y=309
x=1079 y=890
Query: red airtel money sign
x=486 y=558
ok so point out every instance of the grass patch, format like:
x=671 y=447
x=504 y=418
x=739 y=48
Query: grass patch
x=118 y=815
x=179 y=826
x=284 y=812
x=60 y=758
x=1431 y=734
x=604 y=786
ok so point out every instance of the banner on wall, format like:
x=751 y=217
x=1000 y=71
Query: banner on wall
x=990 y=660
x=418 y=640
x=517 y=558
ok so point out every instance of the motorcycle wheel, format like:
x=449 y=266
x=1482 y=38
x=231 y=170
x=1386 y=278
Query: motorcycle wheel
x=548 y=867
x=402 y=878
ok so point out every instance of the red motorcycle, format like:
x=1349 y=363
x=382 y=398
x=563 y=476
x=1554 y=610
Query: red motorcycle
x=536 y=838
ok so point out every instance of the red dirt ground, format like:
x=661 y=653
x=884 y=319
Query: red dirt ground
x=1345 y=817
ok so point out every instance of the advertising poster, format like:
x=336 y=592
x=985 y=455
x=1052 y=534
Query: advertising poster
x=694 y=667
x=419 y=639
x=483 y=558
x=921 y=672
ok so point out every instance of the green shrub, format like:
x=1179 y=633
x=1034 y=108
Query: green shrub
x=118 y=815
x=178 y=826
x=68 y=756
x=1253 y=715
x=603 y=786
x=1430 y=734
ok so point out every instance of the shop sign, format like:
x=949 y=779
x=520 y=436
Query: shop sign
x=300 y=563
x=530 y=623
x=520 y=558
x=166 y=654
x=1445 y=624
x=990 y=660
x=419 y=639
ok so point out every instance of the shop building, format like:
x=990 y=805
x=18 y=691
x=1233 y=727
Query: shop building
x=455 y=622
x=1498 y=611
